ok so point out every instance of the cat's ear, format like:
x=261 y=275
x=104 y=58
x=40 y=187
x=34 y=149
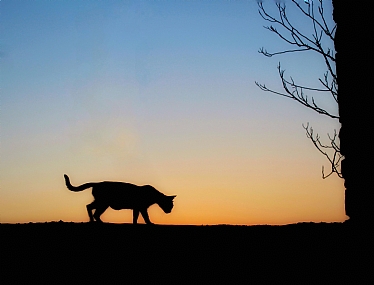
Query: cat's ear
x=172 y=197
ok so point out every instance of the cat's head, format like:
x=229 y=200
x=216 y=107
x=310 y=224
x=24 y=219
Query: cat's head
x=166 y=204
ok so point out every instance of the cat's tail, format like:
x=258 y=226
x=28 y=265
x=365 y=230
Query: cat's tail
x=77 y=188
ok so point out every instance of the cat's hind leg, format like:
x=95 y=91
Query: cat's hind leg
x=99 y=210
x=90 y=207
x=135 y=215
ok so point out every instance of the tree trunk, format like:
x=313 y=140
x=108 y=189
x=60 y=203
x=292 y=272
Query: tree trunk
x=353 y=44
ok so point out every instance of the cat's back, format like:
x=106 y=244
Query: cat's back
x=122 y=195
x=115 y=189
x=118 y=185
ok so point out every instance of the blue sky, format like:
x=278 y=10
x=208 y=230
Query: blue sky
x=161 y=93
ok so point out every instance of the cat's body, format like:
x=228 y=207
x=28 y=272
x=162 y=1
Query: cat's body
x=121 y=195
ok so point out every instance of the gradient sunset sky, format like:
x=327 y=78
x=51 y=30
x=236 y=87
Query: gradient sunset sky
x=160 y=93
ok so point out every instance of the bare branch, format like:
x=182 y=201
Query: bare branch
x=333 y=159
x=291 y=35
x=299 y=95
x=331 y=89
x=324 y=28
x=307 y=88
x=266 y=53
x=295 y=34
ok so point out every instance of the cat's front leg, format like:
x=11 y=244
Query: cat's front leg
x=135 y=215
x=146 y=217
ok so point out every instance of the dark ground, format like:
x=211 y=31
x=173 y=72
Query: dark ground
x=123 y=253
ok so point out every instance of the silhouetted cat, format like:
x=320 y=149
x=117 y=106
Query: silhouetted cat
x=120 y=195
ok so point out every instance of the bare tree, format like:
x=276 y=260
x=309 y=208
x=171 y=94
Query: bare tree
x=300 y=42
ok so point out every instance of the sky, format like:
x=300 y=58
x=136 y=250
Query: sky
x=160 y=93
